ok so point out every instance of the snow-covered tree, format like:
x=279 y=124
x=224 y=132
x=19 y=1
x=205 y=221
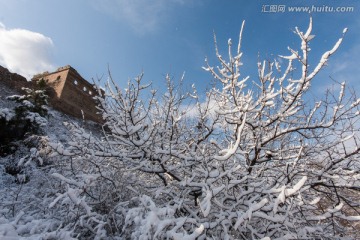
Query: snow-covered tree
x=26 y=118
x=258 y=159
x=28 y=115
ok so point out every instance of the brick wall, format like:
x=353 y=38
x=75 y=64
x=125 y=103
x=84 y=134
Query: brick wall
x=74 y=95
x=68 y=91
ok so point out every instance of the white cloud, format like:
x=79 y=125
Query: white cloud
x=25 y=52
x=192 y=110
x=142 y=16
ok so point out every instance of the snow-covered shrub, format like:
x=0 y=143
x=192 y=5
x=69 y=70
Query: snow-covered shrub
x=148 y=221
x=27 y=117
x=252 y=161
x=96 y=188
x=24 y=205
x=32 y=106
x=20 y=126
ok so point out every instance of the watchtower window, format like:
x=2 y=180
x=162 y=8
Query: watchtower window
x=90 y=92
x=84 y=89
x=75 y=82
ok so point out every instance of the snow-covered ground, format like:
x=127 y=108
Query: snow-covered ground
x=26 y=184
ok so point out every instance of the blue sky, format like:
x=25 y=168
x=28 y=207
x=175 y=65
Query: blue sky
x=168 y=36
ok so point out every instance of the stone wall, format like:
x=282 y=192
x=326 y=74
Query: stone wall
x=68 y=91
x=73 y=94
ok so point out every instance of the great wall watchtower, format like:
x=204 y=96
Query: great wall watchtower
x=72 y=94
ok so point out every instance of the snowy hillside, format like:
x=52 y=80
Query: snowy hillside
x=25 y=178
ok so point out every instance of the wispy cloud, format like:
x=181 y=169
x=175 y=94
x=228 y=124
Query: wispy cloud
x=25 y=52
x=346 y=66
x=143 y=16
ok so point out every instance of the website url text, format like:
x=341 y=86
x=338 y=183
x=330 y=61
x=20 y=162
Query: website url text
x=313 y=8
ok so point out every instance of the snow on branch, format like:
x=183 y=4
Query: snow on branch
x=257 y=158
